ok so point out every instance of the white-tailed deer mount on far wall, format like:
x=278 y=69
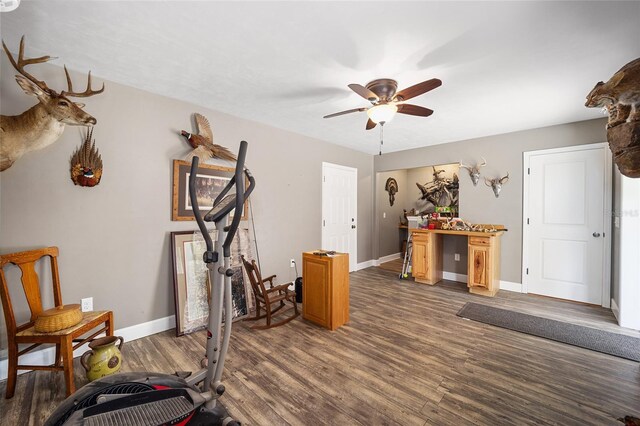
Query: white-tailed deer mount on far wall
x=42 y=124
x=474 y=171
x=496 y=184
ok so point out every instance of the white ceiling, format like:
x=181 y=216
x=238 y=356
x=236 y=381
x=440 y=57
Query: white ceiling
x=505 y=66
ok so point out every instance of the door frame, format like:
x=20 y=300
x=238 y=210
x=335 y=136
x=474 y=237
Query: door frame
x=608 y=190
x=353 y=260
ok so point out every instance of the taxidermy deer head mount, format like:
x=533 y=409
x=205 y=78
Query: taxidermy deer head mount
x=42 y=124
x=474 y=172
x=496 y=184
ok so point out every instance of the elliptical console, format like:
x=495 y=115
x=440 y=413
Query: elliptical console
x=162 y=399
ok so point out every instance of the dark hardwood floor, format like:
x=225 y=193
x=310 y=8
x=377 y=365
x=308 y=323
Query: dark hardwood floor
x=404 y=358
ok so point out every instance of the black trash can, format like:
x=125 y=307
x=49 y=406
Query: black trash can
x=299 y=290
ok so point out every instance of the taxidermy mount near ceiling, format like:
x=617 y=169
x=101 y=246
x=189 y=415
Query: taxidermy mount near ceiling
x=202 y=142
x=474 y=171
x=86 y=163
x=620 y=96
x=42 y=124
x=386 y=101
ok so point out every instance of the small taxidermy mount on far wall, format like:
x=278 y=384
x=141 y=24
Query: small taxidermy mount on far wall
x=496 y=184
x=392 y=188
x=42 y=124
x=86 y=163
x=202 y=142
x=474 y=171
x=620 y=96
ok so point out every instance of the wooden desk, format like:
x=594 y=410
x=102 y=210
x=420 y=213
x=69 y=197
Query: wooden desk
x=483 y=268
x=325 y=288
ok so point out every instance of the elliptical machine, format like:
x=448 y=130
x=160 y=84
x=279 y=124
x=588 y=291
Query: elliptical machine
x=162 y=399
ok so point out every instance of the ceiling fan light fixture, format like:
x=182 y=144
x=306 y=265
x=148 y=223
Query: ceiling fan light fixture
x=383 y=113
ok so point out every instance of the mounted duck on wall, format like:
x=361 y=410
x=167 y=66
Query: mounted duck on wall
x=202 y=142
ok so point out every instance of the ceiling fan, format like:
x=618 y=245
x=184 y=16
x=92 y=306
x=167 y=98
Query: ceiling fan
x=386 y=101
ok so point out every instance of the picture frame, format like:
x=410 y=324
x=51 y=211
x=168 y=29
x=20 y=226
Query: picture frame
x=192 y=287
x=210 y=181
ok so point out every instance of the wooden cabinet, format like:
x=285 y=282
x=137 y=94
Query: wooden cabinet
x=325 y=288
x=426 y=259
x=484 y=268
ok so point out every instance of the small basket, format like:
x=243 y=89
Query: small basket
x=58 y=318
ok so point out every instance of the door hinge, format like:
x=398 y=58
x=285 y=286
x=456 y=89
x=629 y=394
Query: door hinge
x=528 y=170
x=527 y=221
x=527 y=271
x=323 y=222
x=604 y=235
x=324 y=178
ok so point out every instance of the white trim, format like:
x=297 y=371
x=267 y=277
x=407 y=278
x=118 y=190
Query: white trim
x=615 y=310
x=388 y=258
x=511 y=286
x=46 y=356
x=365 y=265
x=608 y=191
x=452 y=276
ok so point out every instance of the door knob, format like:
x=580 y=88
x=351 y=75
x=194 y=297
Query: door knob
x=596 y=234
x=353 y=227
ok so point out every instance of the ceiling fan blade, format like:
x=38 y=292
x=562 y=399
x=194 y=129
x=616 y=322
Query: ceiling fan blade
x=349 y=111
x=414 y=110
x=370 y=124
x=417 y=89
x=364 y=92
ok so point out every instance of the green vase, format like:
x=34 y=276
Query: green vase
x=104 y=357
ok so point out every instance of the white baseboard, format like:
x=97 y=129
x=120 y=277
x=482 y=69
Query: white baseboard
x=364 y=265
x=615 y=309
x=46 y=356
x=511 y=286
x=452 y=276
x=388 y=258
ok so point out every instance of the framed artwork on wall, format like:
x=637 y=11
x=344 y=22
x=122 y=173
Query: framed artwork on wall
x=210 y=181
x=191 y=283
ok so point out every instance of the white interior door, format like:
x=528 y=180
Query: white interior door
x=565 y=229
x=339 y=210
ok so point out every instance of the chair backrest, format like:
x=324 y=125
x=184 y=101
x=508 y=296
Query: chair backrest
x=26 y=261
x=254 y=278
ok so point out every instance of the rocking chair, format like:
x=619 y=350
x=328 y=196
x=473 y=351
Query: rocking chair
x=273 y=298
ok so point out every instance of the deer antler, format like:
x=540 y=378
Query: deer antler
x=484 y=163
x=465 y=167
x=504 y=178
x=22 y=62
x=488 y=182
x=88 y=92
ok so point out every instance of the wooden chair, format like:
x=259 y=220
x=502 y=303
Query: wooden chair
x=20 y=334
x=272 y=299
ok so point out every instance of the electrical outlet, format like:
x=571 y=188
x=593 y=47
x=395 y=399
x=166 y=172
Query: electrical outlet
x=384 y=215
x=456 y=257
x=293 y=263
x=616 y=221
x=87 y=304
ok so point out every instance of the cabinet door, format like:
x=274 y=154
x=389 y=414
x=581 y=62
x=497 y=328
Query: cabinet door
x=419 y=257
x=479 y=266
x=315 y=282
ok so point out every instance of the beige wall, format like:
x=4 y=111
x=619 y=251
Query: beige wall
x=504 y=153
x=114 y=238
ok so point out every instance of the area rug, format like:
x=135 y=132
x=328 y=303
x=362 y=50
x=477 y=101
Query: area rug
x=606 y=342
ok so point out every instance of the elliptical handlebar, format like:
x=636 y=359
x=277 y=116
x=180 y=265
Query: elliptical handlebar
x=240 y=197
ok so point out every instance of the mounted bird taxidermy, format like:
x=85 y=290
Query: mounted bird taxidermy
x=620 y=96
x=392 y=188
x=42 y=124
x=496 y=184
x=202 y=142
x=86 y=163
x=474 y=171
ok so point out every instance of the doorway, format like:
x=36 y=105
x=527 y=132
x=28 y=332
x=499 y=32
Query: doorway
x=339 y=210
x=566 y=223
